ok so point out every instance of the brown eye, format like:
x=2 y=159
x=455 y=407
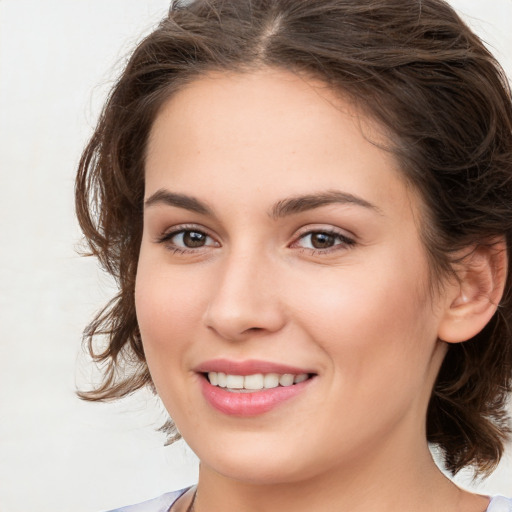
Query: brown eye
x=188 y=239
x=322 y=240
x=194 y=239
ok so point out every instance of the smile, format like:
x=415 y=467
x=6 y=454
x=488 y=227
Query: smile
x=252 y=387
x=254 y=382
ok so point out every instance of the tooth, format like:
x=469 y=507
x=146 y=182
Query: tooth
x=221 y=379
x=271 y=380
x=253 y=381
x=234 y=381
x=256 y=381
x=286 y=379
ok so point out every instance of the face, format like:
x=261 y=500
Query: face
x=282 y=290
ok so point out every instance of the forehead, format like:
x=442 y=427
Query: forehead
x=251 y=104
x=270 y=128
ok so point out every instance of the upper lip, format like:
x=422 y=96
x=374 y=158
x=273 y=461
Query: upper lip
x=248 y=367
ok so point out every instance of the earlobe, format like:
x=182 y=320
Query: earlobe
x=475 y=295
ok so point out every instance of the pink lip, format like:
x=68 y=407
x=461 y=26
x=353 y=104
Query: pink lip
x=249 y=404
x=248 y=367
x=256 y=402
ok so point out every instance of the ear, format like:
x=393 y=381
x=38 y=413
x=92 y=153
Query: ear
x=473 y=298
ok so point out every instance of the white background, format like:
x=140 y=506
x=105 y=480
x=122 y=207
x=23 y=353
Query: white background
x=57 y=454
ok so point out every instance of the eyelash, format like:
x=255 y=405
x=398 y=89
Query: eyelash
x=167 y=239
x=344 y=242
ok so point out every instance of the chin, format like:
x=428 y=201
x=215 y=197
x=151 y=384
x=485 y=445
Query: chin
x=259 y=461
x=256 y=472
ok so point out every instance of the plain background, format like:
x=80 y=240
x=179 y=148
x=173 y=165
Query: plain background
x=57 y=61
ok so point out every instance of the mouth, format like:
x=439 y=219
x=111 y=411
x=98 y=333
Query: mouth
x=251 y=388
x=254 y=382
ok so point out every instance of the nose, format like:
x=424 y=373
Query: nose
x=244 y=301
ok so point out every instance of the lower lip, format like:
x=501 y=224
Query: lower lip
x=249 y=404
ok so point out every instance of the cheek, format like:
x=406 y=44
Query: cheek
x=375 y=322
x=168 y=307
x=167 y=313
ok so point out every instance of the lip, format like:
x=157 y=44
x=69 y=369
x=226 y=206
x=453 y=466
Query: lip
x=248 y=367
x=256 y=402
x=250 y=404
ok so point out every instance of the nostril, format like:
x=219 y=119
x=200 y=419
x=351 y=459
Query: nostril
x=238 y=319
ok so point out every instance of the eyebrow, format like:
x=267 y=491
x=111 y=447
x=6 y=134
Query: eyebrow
x=168 y=198
x=283 y=208
x=299 y=204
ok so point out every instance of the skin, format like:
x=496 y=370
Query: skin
x=359 y=314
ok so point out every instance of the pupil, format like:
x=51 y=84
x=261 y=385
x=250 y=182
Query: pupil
x=322 y=240
x=194 y=239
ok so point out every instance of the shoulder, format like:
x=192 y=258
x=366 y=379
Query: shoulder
x=161 y=504
x=500 y=504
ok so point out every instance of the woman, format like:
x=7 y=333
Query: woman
x=307 y=207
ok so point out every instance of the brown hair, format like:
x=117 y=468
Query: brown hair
x=414 y=66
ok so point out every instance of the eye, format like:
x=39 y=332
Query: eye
x=323 y=240
x=187 y=239
x=190 y=239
